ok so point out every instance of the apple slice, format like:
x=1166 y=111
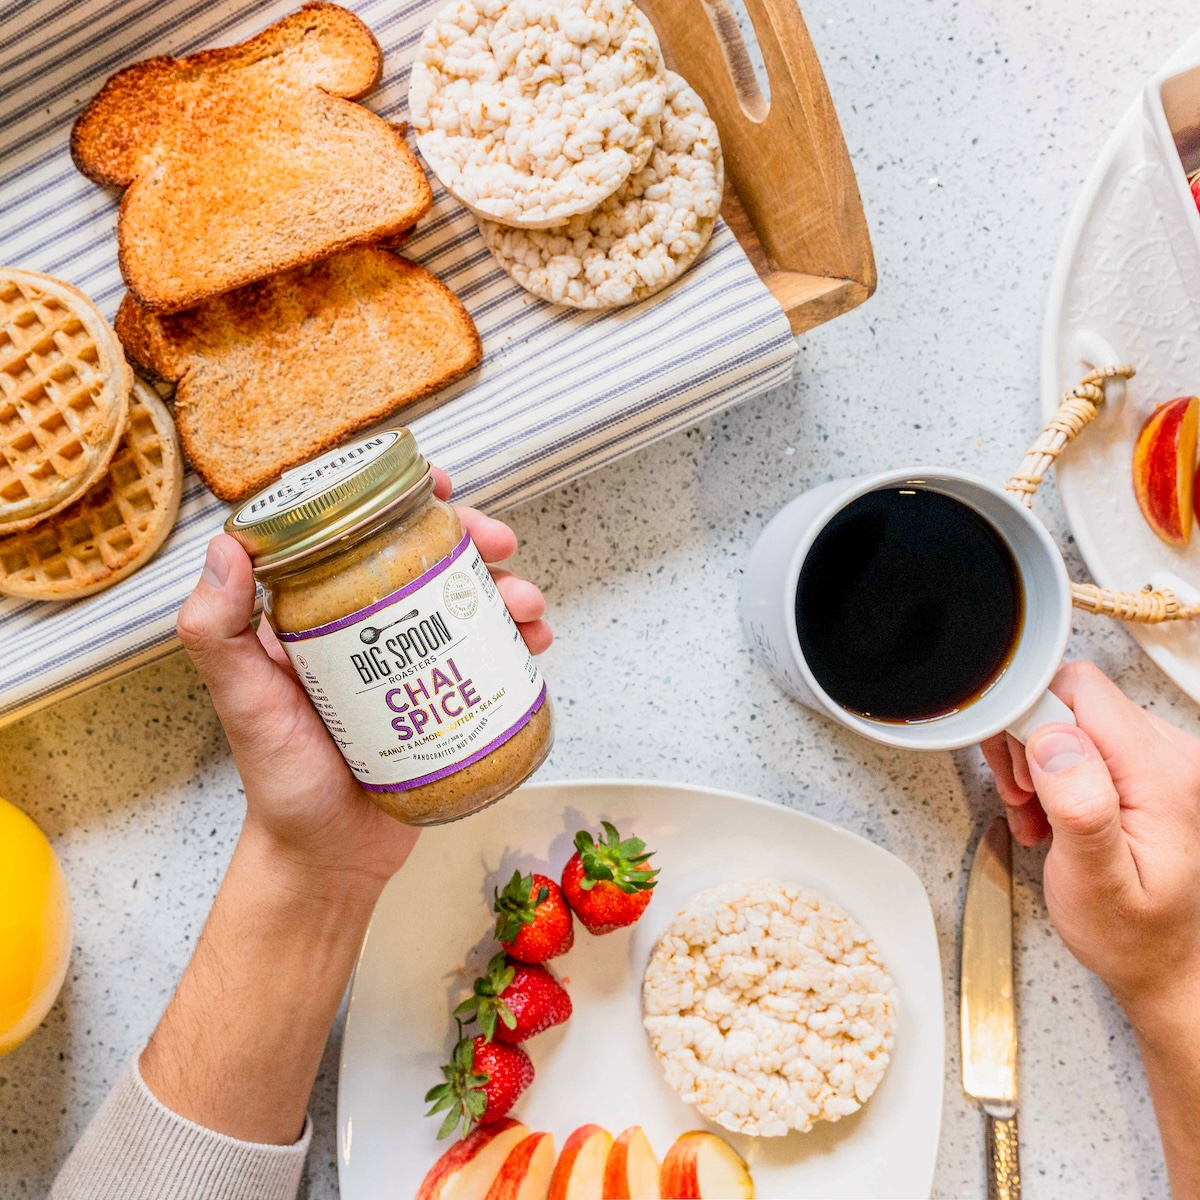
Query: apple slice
x=631 y=1169
x=526 y=1172
x=1164 y=468
x=466 y=1170
x=579 y=1172
x=702 y=1166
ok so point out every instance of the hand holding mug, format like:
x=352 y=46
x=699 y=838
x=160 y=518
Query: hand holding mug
x=1120 y=796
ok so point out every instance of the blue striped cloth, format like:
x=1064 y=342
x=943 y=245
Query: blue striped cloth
x=559 y=392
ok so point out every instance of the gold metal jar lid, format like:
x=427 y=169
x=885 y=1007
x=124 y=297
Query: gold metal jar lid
x=330 y=496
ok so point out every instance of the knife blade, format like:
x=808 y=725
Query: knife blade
x=987 y=1016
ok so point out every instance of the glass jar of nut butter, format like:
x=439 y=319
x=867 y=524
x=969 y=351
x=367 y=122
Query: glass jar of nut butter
x=397 y=631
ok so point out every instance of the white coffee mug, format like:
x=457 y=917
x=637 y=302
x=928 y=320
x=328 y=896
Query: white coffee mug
x=1018 y=701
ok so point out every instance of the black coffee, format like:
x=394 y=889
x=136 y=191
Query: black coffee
x=909 y=605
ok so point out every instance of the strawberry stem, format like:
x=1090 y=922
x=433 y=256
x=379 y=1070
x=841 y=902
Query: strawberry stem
x=516 y=906
x=611 y=859
x=486 y=1003
x=462 y=1095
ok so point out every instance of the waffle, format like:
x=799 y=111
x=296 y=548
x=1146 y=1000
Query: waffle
x=64 y=396
x=115 y=527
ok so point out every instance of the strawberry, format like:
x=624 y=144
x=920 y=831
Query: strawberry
x=606 y=882
x=533 y=922
x=515 y=1000
x=1194 y=180
x=483 y=1081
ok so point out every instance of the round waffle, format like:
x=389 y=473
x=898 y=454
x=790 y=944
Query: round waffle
x=64 y=396
x=115 y=527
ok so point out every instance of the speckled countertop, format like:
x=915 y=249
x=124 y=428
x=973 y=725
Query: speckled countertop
x=971 y=127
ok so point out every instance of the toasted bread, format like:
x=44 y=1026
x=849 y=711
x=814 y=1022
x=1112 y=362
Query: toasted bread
x=249 y=160
x=274 y=373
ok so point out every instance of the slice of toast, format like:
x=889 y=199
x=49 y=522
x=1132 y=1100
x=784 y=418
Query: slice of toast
x=249 y=160
x=274 y=373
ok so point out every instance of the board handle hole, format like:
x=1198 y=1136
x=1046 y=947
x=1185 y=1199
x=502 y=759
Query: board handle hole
x=743 y=56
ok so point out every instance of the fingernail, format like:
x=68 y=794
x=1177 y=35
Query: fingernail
x=216 y=566
x=1059 y=750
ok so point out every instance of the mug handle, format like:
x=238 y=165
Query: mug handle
x=1049 y=710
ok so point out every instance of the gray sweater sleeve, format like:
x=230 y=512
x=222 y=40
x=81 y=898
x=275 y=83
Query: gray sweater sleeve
x=135 y=1148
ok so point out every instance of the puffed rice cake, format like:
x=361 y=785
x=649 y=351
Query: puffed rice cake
x=115 y=527
x=64 y=396
x=642 y=238
x=532 y=111
x=769 y=1008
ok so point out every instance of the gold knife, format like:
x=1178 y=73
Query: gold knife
x=988 y=1020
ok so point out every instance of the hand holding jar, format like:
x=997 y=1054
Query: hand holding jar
x=300 y=792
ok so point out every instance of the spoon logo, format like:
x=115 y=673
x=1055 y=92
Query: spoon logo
x=370 y=634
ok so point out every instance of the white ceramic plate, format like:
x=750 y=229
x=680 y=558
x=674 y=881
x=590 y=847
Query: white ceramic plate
x=1126 y=288
x=431 y=934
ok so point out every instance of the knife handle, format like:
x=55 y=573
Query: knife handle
x=1004 y=1173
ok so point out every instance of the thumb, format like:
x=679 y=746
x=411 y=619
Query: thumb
x=215 y=627
x=1081 y=801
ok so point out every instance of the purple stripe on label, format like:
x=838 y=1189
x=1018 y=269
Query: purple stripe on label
x=421 y=780
x=354 y=617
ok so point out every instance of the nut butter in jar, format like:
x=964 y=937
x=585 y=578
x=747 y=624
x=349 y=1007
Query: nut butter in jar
x=397 y=631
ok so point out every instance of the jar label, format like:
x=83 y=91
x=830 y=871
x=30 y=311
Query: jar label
x=424 y=682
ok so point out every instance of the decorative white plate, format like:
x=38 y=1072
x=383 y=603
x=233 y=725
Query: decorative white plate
x=430 y=936
x=1126 y=288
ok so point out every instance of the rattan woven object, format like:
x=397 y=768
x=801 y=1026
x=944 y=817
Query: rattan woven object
x=64 y=396
x=115 y=527
x=1075 y=413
